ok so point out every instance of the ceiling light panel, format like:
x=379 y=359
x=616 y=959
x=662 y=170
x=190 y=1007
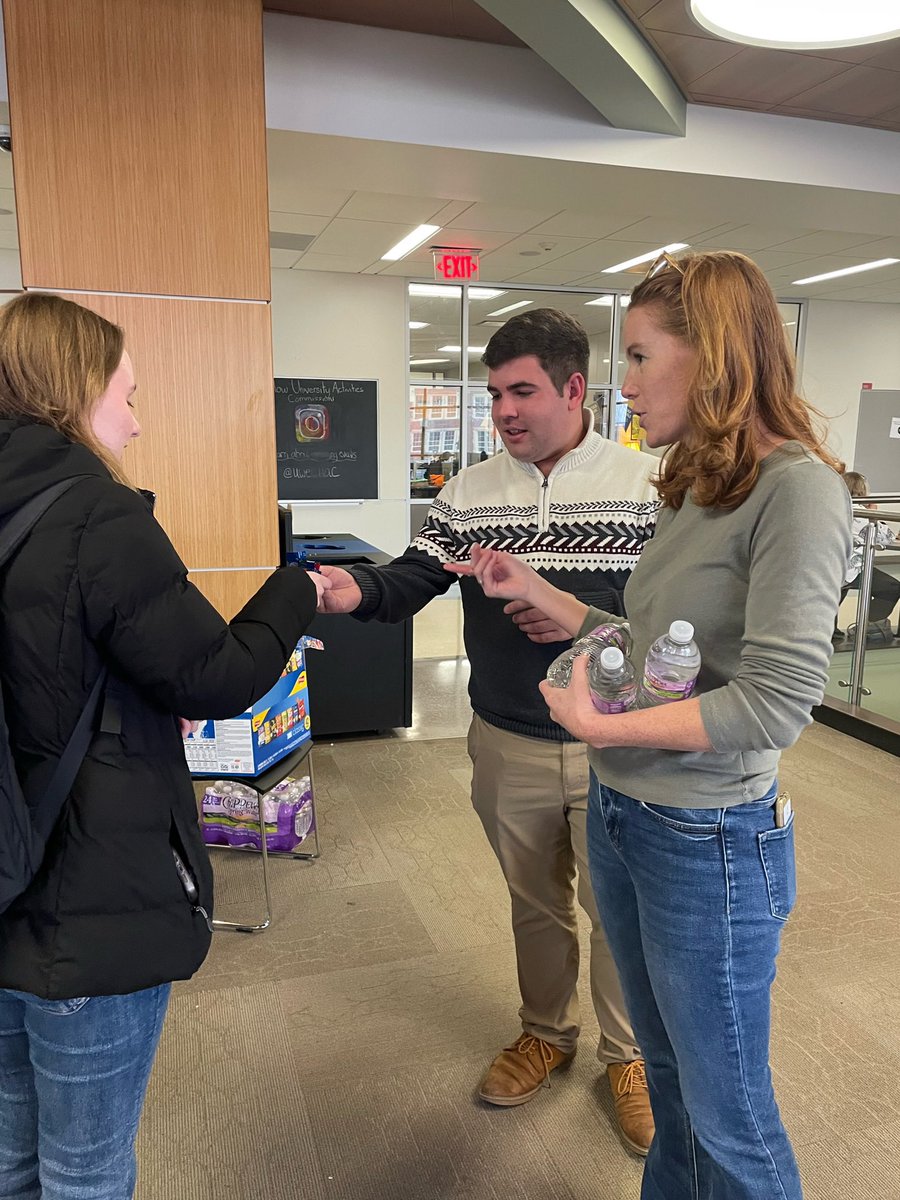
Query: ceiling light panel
x=819 y=25
x=411 y=242
x=672 y=248
x=872 y=266
x=498 y=312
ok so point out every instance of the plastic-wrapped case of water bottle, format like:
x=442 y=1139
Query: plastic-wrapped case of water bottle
x=230 y=814
x=670 y=668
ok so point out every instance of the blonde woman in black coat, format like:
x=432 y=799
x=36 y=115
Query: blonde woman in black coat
x=88 y=950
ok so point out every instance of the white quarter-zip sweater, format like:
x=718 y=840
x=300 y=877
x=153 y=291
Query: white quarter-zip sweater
x=583 y=528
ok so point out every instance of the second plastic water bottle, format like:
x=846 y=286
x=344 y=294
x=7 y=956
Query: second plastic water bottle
x=613 y=682
x=671 y=668
x=559 y=673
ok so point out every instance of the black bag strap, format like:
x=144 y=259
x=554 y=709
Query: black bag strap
x=16 y=529
x=54 y=793
x=45 y=814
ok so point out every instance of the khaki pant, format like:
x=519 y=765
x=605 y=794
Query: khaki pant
x=531 y=796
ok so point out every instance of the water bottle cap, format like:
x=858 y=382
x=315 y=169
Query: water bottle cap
x=611 y=658
x=681 y=632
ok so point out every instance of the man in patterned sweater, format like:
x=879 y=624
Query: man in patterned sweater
x=578 y=508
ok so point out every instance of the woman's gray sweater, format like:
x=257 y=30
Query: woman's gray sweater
x=760 y=584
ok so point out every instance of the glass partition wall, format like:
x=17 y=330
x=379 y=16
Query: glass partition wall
x=449 y=405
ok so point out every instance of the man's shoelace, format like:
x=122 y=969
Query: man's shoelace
x=527 y=1044
x=634 y=1075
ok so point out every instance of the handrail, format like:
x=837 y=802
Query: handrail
x=876 y=514
x=858 y=657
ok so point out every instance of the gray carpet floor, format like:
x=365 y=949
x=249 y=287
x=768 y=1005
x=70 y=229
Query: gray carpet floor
x=335 y=1056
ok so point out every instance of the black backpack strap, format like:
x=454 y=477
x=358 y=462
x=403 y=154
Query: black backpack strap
x=16 y=529
x=45 y=814
x=53 y=794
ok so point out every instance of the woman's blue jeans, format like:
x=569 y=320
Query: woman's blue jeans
x=693 y=901
x=73 y=1074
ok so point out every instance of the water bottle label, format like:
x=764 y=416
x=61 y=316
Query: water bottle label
x=604 y=705
x=667 y=689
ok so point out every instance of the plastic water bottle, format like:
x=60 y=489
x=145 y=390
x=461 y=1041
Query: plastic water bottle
x=671 y=667
x=559 y=673
x=613 y=681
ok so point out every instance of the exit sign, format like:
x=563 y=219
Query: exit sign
x=456 y=264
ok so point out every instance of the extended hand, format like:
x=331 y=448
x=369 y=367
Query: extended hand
x=572 y=707
x=322 y=585
x=341 y=592
x=534 y=623
x=502 y=576
x=188 y=727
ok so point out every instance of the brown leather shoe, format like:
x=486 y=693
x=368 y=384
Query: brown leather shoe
x=519 y=1072
x=628 y=1082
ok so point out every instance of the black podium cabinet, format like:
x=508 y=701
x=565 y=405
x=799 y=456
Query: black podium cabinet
x=362 y=681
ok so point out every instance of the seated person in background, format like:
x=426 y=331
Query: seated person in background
x=885 y=590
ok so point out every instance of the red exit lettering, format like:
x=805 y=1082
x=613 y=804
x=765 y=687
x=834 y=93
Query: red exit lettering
x=457 y=265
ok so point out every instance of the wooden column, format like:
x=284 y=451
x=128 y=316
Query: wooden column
x=141 y=190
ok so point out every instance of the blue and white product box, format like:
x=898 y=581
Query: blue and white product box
x=276 y=725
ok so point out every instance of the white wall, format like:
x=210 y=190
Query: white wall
x=10 y=270
x=352 y=327
x=848 y=344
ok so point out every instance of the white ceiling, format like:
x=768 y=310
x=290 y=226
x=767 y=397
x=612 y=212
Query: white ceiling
x=558 y=223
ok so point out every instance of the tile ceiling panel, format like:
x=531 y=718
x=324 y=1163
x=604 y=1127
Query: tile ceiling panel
x=298 y=196
x=283 y=258
x=498 y=218
x=860 y=92
x=368 y=238
x=664 y=230
x=828 y=241
x=766 y=76
x=827 y=85
x=637 y=8
x=311 y=261
x=749 y=238
x=671 y=16
x=296 y=223
x=379 y=206
x=601 y=222
x=692 y=57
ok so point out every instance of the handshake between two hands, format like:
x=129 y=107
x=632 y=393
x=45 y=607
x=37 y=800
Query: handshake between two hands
x=502 y=577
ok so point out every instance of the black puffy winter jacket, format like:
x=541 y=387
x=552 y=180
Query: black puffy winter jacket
x=97 y=581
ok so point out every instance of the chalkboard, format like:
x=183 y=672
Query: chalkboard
x=326 y=434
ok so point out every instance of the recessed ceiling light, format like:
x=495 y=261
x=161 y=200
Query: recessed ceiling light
x=449 y=291
x=411 y=242
x=642 y=258
x=498 y=312
x=418 y=324
x=809 y=26
x=422 y=362
x=456 y=349
x=602 y=301
x=881 y=262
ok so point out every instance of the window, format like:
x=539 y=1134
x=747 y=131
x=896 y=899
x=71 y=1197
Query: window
x=449 y=328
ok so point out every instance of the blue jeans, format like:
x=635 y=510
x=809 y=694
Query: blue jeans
x=73 y=1074
x=694 y=901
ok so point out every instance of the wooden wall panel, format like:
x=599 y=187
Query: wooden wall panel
x=229 y=591
x=139 y=132
x=205 y=400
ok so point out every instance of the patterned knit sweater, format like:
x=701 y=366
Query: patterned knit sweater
x=582 y=527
